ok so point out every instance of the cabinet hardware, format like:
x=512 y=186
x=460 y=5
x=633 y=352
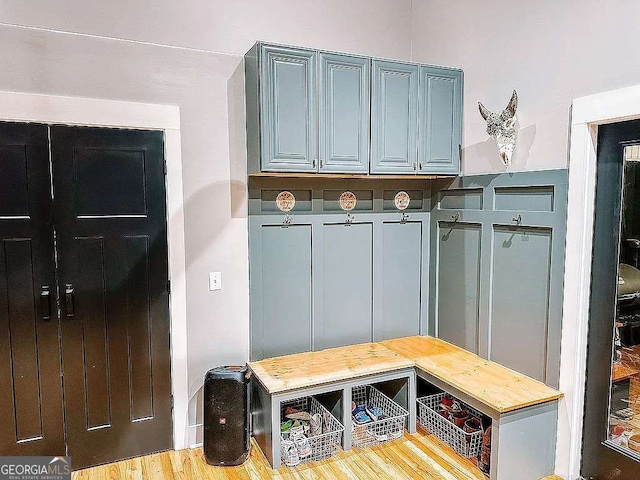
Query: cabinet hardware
x=45 y=303
x=68 y=292
x=405 y=218
x=349 y=220
x=517 y=220
x=287 y=220
x=455 y=217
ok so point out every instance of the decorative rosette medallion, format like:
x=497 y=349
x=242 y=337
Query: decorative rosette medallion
x=348 y=201
x=402 y=200
x=285 y=201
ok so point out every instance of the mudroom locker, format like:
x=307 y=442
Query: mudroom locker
x=84 y=299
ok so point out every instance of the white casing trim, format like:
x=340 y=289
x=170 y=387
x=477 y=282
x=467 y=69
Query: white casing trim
x=23 y=107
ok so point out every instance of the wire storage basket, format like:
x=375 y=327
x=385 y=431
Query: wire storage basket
x=465 y=443
x=391 y=424
x=324 y=444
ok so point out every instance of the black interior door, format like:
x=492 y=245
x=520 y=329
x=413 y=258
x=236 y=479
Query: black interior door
x=612 y=409
x=31 y=418
x=112 y=266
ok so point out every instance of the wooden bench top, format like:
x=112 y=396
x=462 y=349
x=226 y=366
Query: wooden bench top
x=496 y=386
x=302 y=370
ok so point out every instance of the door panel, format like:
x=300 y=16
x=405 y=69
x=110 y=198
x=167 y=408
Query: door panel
x=440 y=120
x=344 y=113
x=458 y=283
x=401 y=281
x=288 y=96
x=31 y=422
x=394 y=117
x=112 y=257
x=347 y=284
x=611 y=397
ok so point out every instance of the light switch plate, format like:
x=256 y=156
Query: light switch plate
x=215 y=281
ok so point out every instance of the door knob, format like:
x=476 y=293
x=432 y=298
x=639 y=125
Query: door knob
x=68 y=292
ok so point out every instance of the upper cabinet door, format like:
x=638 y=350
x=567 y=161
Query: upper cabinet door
x=288 y=98
x=440 y=120
x=394 y=117
x=344 y=113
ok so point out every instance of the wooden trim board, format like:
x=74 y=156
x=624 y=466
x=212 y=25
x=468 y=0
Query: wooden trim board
x=492 y=384
x=302 y=370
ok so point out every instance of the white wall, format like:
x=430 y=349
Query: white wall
x=550 y=51
x=41 y=52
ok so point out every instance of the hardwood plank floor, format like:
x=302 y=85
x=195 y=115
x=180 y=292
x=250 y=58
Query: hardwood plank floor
x=415 y=456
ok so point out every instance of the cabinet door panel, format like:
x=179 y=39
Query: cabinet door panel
x=520 y=307
x=440 y=127
x=458 y=283
x=289 y=132
x=347 y=284
x=281 y=291
x=401 y=271
x=344 y=113
x=394 y=120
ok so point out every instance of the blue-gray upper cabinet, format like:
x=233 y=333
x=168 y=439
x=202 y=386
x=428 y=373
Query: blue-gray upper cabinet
x=288 y=108
x=440 y=124
x=344 y=85
x=394 y=117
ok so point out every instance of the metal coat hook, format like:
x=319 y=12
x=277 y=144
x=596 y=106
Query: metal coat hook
x=287 y=220
x=405 y=217
x=455 y=217
x=517 y=219
x=349 y=220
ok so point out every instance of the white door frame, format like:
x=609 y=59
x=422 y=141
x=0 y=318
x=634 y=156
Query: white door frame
x=23 y=107
x=587 y=113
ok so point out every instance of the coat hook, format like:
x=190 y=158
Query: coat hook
x=349 y=219
x=455 y=217
x=405 y=217
x=287 y=220
x=517 y=219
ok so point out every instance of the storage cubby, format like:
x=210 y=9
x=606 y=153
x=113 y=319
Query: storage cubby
x=320 y=436
x=388 y=423
x=450 y=419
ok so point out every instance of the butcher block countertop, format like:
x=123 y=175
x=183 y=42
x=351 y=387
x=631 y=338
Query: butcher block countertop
x=302 y=370
x=496 y=386
x=499 y=387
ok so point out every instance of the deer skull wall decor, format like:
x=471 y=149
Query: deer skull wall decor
x=501 y=126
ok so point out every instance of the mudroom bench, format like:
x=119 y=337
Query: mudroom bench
x=403 y=377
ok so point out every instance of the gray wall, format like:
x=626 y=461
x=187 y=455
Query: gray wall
x=206 y=80
x=550 y=51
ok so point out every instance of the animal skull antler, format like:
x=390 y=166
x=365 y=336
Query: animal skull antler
x=502 y=127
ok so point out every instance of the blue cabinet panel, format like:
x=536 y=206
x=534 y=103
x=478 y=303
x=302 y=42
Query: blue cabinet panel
x=281 y=290
x=458 y=283
x=394 y=124
x=520 y=306
x=344 y=113
x=347 y=293
x=440 y=127
x=288 y=106
x=398 y=310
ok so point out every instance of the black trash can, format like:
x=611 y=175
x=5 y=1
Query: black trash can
x=227 y=438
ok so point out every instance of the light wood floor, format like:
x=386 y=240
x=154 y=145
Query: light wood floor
x=414 y=456
x=417 y=456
